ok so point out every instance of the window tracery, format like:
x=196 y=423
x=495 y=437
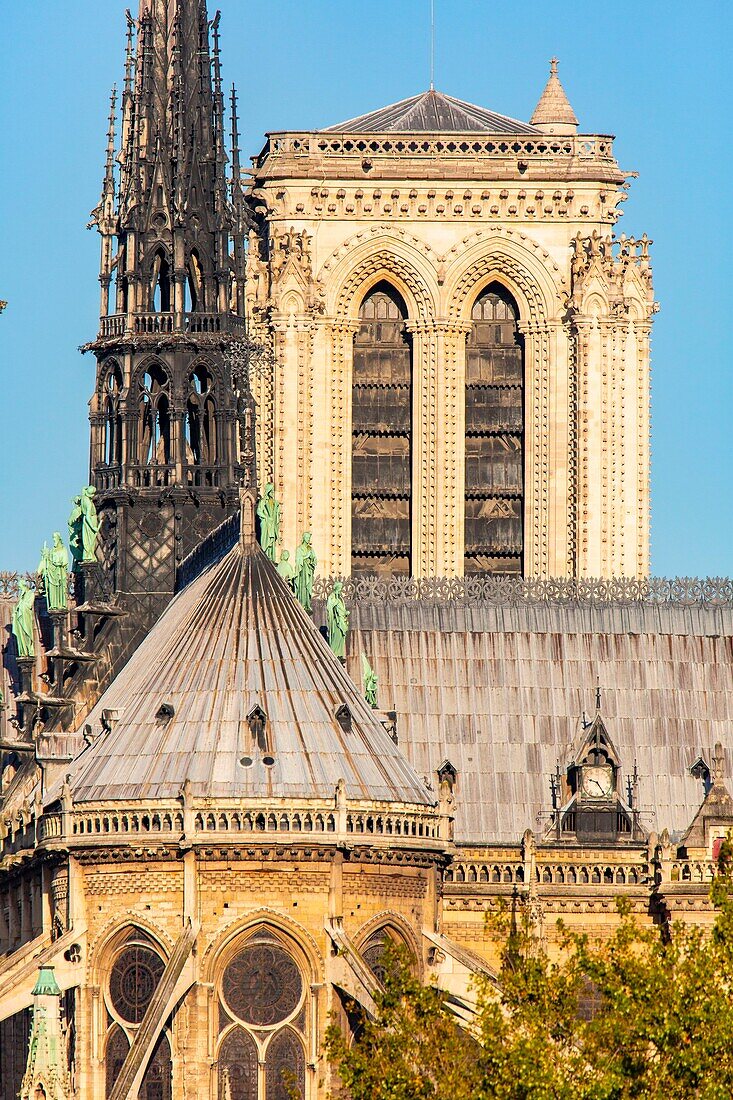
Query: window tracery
x=262 y=985
x=112 y=416
x=201 y=418
x=154 y=418
x=262 y=1053
x=133 y=979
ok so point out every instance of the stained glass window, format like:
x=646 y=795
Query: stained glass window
x=135 y=976
x=285 y=1067
x=238 y=1067
x=262 y=985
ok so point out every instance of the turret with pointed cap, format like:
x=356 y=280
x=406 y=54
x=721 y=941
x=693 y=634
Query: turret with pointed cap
x=46 y=1072
x=553 y=114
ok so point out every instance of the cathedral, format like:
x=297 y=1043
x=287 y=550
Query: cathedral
x=401 y=365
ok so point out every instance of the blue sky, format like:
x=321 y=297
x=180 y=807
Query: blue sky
x=656 y=74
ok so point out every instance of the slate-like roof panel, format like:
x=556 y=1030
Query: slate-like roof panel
x=233 y=639
x=516 y=681
x=432 y=112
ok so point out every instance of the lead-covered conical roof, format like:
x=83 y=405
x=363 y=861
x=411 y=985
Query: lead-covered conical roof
x=553 y=113
x=433 y=112
x=232 y=647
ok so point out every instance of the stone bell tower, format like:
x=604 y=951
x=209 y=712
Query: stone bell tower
x=166 y=421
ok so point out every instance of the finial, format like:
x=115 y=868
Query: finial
x=598 y=696
x=554 y=62
x=718 y=769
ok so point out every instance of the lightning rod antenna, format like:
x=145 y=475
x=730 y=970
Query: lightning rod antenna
x=432 y=45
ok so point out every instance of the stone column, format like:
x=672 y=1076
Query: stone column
x=4 y=931
x=285 y=424
x=336 y=554
x=424 y=443
x=450 y=447
x=588 y=503
x=304 y=470
x=26 y=928
x=642 y=332
x=538 y=369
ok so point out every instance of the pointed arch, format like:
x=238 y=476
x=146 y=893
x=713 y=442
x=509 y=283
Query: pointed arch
x=237 y=1066
x=200 y=432
x=512 y=259
x=195 y=283
x=111 y=390
x=494 y=435
x=160 y=281
x=381 y=473
x=154 y=437
x=385 y=258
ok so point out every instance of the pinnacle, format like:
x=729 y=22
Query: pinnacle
x=554 y=107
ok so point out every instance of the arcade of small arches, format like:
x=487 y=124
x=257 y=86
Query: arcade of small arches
x=200 y=290
x=141 y=430
x=265 y=1020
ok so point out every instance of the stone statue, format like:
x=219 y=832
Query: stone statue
x=76 y=521
x=305 y=569
x=90 y=524
x=23 y=620
x=268 y=513
x=371 y=683
x=286 y=569
x=337 y=620
x=54 y=568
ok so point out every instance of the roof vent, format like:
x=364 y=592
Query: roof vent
x=165 y=712
x=257 y=721
x=343 y=717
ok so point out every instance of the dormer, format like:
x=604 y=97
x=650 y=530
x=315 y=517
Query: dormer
x=714 y=820
x=589 y=805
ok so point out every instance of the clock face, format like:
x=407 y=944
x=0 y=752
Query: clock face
x=597 y=780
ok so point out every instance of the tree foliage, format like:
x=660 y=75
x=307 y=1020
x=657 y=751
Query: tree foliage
x=661 y=1028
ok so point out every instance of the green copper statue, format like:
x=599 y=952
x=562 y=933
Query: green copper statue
x=286 y=569
x=76 y=521
x=90 y=524
x=337 y=620
x=371 y=683
x=305 y=570
x=54 y=568
x=23 y=620
x=268 y=513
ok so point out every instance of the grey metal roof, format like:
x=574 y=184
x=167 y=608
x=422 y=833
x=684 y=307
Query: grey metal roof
x=433 y=112
x=235 y=639
x=500 y=691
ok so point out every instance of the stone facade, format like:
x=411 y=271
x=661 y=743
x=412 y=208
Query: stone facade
x=206 y=834
x=440 y=217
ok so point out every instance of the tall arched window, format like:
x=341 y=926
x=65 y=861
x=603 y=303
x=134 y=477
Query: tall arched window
x=154 y=430
x=195 y=284
x=160 y=283
x=263 y=1019
x=200 y=418
x=133 y=980
x=112 y=416
x=381 y=471
x=494 y=484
